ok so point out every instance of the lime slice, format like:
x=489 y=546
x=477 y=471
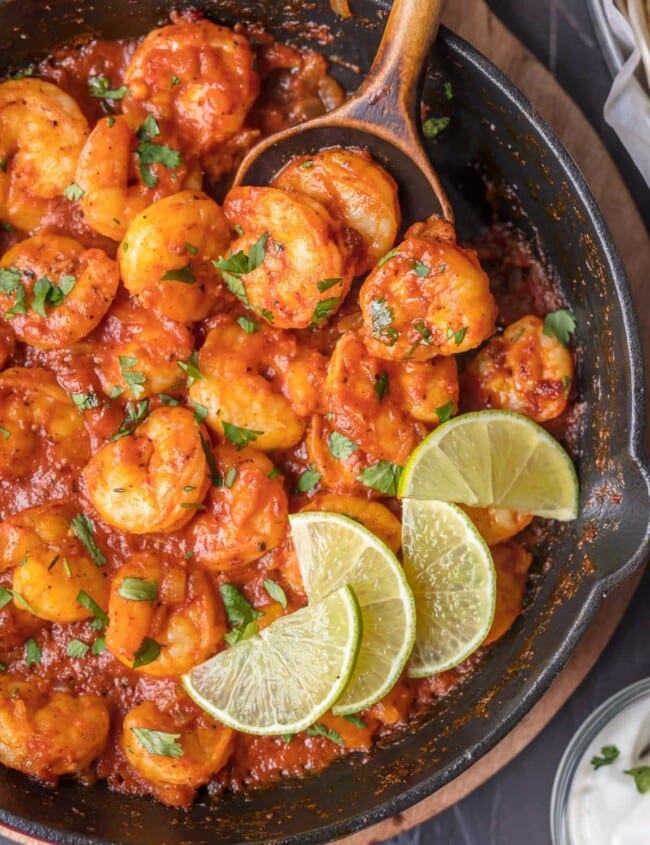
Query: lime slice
x=333 y=550
x=450 y=570
x=283 y=679
x=494 y=459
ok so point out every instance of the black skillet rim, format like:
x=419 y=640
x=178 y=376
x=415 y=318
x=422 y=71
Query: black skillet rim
x=636 y=407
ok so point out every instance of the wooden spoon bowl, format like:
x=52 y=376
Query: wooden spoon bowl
x=381 y=117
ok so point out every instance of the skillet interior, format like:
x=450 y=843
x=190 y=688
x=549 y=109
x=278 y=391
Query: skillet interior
x=493 y=131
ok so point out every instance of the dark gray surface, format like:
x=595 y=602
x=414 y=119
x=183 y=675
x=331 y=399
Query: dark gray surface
x=512 y=808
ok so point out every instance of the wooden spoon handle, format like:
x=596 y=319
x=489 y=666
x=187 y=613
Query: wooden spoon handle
x=389 y=91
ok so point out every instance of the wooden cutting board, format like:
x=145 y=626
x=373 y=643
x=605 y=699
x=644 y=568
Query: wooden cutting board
x=474 y=21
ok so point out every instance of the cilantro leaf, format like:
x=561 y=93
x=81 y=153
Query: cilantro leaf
x=135 y=413
x=560 y=324
x=420 y=269
x=148 y=651
x=276 y=592
x=422 y=329
x=32 y=652
x=326 y=284
x=308 y=480
x=47 y=293
x=100 y=86
x=239 y=264
x=458 y=336
x=84 y=527
x=73 y=192
x=135 y=380
x=381 y=320
x=215 y=475
x=433 y=126
x=328 y=733
x=181 y=274
x=641 y=775
x=86 y=401
x=381 y=385
x=4 y=432
x=138 y=589
x=449 y=91
x=240 y=437
x=390 y=254
x=90 y=604
x=608 y=753
x=248 y=325
x=77 y=649
x=341 y=446
x=191 y=368
x=10 y=284
x=445 y=412
x=99 y=646
x=159 y=743
x=324 y=309
x=353 y=719
x=5 y=597
x=149 y=153
x=383 y=476
x=240 y=612
x=200 y=412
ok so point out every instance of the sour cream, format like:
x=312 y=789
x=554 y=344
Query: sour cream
x=604 y=806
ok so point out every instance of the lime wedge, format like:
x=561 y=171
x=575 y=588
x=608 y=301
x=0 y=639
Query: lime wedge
x=283 y=679
x=494 y=459
x=450 y=570
x=333 y=550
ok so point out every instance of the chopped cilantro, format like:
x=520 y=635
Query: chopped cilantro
x=180 y=274
x=158 y=743
x=241 y=614
x=420 y=269
x=77 y=649
x=324 y=309
x=100 y=86
x=381 y=318
x=135 y=380
x=84 y=528
x=73 y=192
x=445 y=412
x=147 y=652
x=326 y=284
x=641 y=775
x=32 y=652
x=560 y=324
x=248 y=325
x=191 y=368
x=308 y=480
x=381 y=385
x=138 y=589
x=328 y=733
x=86 y=401
x=341 y=446
x=276 y=592
x=433 y=126
x=90 y=604
x=149 y=153
x=608 y=753
x=240 y=437
x=383 y=476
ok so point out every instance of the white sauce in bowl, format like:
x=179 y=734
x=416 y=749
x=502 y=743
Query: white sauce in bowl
x=604 y=804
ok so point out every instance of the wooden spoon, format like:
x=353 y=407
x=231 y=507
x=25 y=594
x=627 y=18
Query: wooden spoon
x=381 y=117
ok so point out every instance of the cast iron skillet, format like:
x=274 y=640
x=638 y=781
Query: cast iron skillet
x=493 y=131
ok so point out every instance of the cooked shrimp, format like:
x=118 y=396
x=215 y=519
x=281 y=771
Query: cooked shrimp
x=355 y=190
x=16 y=625
x=48 y=734
x=42 y=430
x=154 y=599
x=55 y=292
x=305 y=269
x=7 y=343
x=42 y=131
x=511 y=562
x=373 y=515
x=362 y=406
x=154 y=479
x=425 y=389
x=200 y=748
x=235 y=388
x=117 y=180
x=50 y=564
x=429 y=297
x=522 y=370
x=167 y=254
x=152 y=346
x=196 y=75
x=496 y=525
x=247 y=514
